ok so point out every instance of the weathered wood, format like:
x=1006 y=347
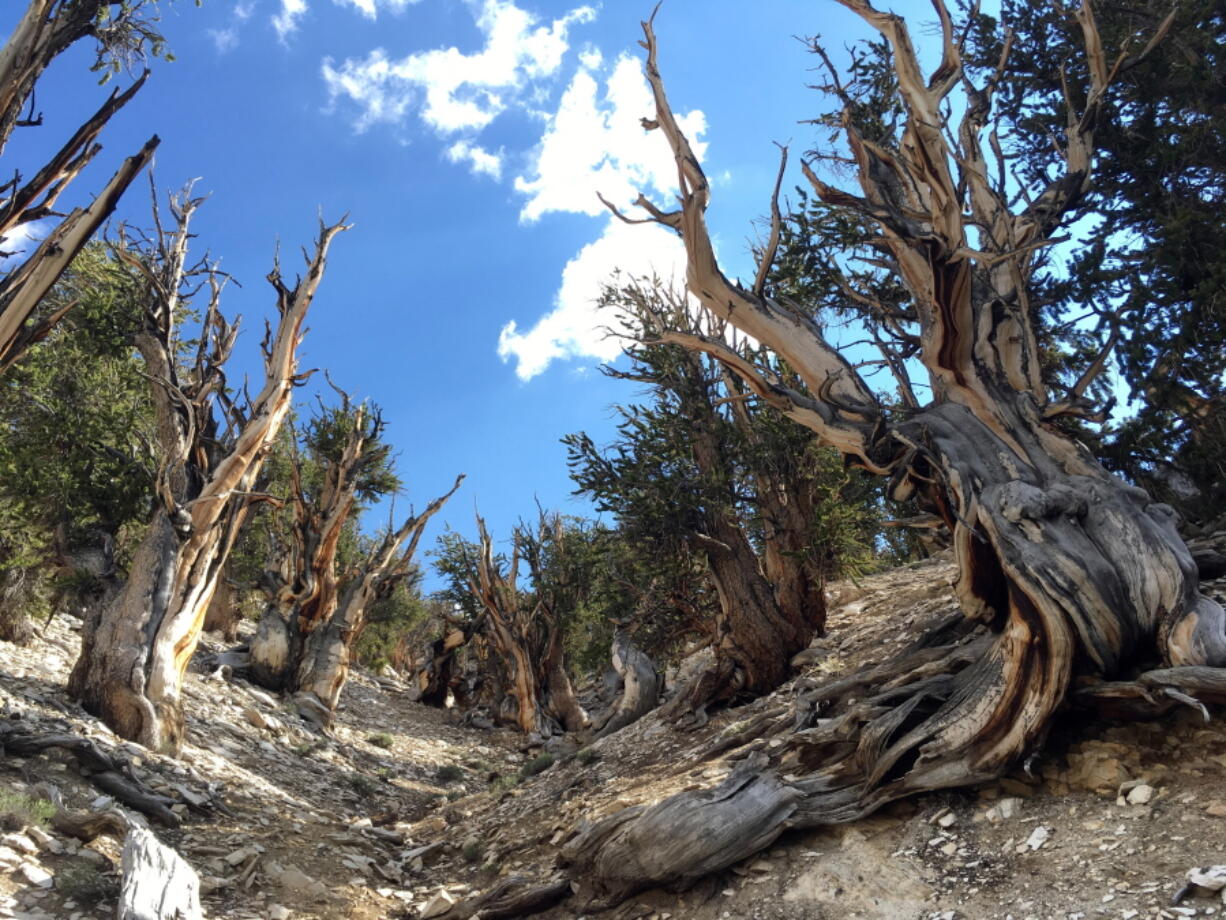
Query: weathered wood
x=524 y=635
x=308 y=656
x=1065 y=572
x=107 y=770
x=640 y=686
x=136 y=647
x=157 y=883
x=515 y=896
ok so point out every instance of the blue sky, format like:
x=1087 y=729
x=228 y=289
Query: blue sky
x=466 y=139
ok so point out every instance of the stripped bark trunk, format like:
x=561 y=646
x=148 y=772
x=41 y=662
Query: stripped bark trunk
x=640 y=686
x=1066 y=573
x=135 y=648
x=309 y=657
x=157 y=883
x=524 y=636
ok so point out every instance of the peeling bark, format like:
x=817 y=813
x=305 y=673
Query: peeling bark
x=308 y=656
x=1066 y=573
x=524 y=636
x=136 y=647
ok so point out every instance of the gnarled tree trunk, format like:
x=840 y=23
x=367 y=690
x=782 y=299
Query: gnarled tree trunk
x=640 y=686
x=136 y=647
x=308 y=656
x=1066 y=573
x=524 y=635
x=756 y=633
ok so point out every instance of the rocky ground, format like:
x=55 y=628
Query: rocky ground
x=404 y=810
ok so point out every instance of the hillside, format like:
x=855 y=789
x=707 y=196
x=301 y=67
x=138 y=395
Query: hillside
x=404 y=809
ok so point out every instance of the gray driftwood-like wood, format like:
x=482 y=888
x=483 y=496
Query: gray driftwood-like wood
x=1068 y=577
x=640 y=686
x=109 y=771
x=158 y=883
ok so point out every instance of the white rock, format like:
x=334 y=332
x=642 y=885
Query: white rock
x=1140 y=795
x=436 y=906
x=36 y=875
x=1211 y=877
x=19 y=842
x=44 y=840
x=278 y=912
x=1038 y=837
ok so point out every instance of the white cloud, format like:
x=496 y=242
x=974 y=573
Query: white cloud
x=596 y=144
x=370 y=8
x=22 y=240
x=575 y=328
x=593 y=143
x=479 y=160
x=224 y=39
x=227 y=39
x=455 y=91
x=286 y=21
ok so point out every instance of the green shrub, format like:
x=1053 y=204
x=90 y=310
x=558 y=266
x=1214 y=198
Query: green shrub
x=84 y=882
x=587 y=756
x=19 y=810
x=473 y=851
x=537 y=765
x=380 y=740
x=449 y=774
x=362 y=784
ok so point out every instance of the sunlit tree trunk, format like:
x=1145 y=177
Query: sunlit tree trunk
x=136 y=647
x=310 y=656
x=1071 y=581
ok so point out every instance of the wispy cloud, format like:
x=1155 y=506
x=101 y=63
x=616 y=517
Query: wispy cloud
x=595 y=143
x=227 y=38
x=286 y=21
x=454 y=92
x=370 y=8
x=480 y=161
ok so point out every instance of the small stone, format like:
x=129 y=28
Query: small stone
x=1216 y=810
x=36 y=875
x=20 y=842
x=950 y=848
x=1039 y=836
x=253 y=715
x=949 y=819
x=436 y=906
x=278 y=912
x=1140 y=795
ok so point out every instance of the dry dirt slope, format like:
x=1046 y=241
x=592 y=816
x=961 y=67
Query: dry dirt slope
x=347 y=826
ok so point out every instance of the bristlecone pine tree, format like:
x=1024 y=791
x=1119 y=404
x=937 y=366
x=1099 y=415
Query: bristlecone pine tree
x=47 y=28
x=315 y=614
x=695 y=464
x=523 y=628
x=135 y=647
x=1072 y=582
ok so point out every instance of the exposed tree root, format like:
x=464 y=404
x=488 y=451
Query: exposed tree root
x=105 y=768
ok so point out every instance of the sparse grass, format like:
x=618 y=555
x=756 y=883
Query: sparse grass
x=384 y=773
x=307 y=748
x=85 y=883
x=380 y=740
x=362 y=784
x=503 y=783
x=454 y=794
x=538 y=764
x=19 y=810
x=587 y=756
x=449 y=774
x=473 y=851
